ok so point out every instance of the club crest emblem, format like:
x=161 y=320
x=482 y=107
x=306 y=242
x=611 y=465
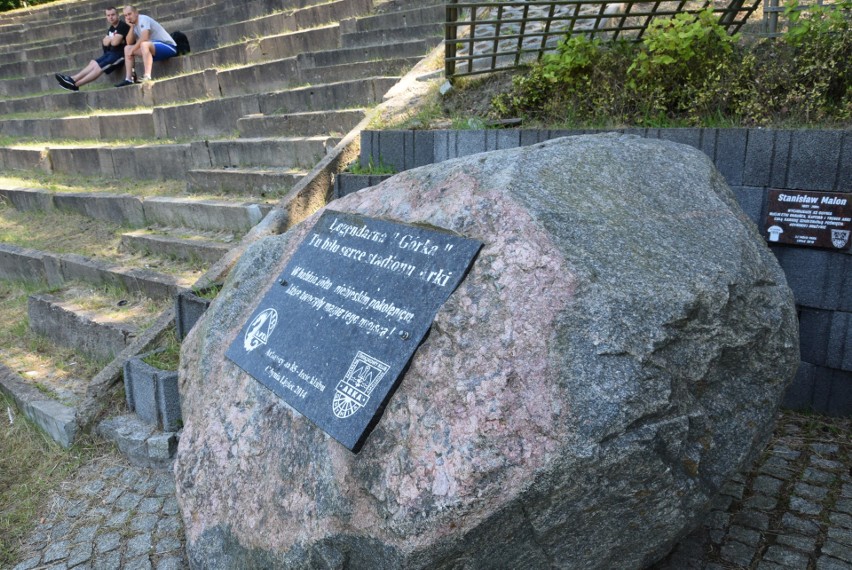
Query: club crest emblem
x=839 y=238
x=260 y=329
x=354 y=391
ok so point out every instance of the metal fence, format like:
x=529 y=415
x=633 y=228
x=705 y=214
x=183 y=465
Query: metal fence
x=481 y=37
x=773 y=26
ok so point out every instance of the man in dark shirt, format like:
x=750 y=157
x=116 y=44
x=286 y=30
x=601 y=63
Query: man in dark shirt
x=112 y=58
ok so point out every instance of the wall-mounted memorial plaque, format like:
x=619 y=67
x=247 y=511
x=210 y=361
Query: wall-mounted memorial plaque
x=818 y=219
x=335 y=332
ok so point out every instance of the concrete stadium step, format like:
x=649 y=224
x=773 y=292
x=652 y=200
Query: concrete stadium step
x=271 y=47
x=199 y=85
x=198 y=119
x=272 y=43
x=404 y=49
x=72 y=319
x=381 y=67
x=176 y=245
x=149 y=161
x=203 y=84
x=34 y=70
x=255 y=78
x=92 y=22
x=412 y=17
x=187 y=85
x=281 y=74
x=123 y=126
x=339 y=95
x=218 y=117
x=235 y=22
x=93 y=25
x=168 y=161
x=262 y=181
x=82 y=101
x=289 y=152
x=162 y=11
x=310 y=14
x=207 y=215
x=58 y=269
x=300 y=124
x=385 y=36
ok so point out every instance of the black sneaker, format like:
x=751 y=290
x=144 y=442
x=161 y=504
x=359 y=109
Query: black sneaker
x=124 y=83
x=66 y=82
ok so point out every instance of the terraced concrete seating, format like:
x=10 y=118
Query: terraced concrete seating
x=270 y=88
x=33 y=77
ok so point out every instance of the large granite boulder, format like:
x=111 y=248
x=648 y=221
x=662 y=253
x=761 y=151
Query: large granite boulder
x=617 y=351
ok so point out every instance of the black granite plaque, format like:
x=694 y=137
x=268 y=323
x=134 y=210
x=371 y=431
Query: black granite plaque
x=816 y=219
x=335 y=332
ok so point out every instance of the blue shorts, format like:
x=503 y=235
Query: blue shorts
x=163 y=51
x=110 y=61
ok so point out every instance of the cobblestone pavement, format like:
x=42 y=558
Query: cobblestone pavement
x=793 y=510
x=111 y=515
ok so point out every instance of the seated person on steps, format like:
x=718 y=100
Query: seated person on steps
x=112 y=58
x=148 y=39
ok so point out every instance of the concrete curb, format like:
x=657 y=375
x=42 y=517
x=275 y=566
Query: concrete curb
x=141 y=443
x=347 y=183
x=57 y=420
x=108 y=377
x=189 y=307
x=152 y=393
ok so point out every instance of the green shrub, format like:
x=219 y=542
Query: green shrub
x=682 y=67
x=582 y=80
x=688 y=70
x=803 y=78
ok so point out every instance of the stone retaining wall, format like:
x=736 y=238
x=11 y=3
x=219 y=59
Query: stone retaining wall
x=752 y=161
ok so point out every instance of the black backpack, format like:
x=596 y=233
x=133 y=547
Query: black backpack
x=182 y=42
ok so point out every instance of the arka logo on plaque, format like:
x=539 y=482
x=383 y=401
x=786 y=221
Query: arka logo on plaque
x=839 y=238
x=260 y=329
x=354 y=391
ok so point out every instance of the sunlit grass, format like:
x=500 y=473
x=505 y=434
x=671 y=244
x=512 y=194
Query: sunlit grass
x=31 y=466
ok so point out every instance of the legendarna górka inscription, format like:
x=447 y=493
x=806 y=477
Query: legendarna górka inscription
x=333 y=336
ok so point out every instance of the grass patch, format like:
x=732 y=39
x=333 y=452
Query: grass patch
x=58 y=370
x=112 y=304
x=371 y=168
x=31 y=466
x=61 y=183
x=208 y=292
x=59 y=232
x=64 y=232
x=168 y=355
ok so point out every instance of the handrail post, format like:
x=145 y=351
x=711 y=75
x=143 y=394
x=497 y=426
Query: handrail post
x=450 y=35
